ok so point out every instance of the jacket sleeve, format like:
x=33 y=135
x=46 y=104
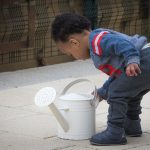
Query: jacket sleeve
x=103 y=91
x=112 y=44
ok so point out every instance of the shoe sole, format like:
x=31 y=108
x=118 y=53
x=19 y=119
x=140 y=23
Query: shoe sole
x=97 y=144
x=136 y=135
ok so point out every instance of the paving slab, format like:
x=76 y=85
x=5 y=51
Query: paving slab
x=2 y=132
x=9 y=113
x=146 y=101
x=27 y=127
x=144 y=147
x=11 y=141
x=17 y=97
x=145 y=120
x=48 y=73
x=16 y=142
x=34 y=125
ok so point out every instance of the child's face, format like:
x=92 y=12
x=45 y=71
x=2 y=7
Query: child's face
x=76 y=46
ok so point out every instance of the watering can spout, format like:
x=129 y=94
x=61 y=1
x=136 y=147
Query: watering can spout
x=45 y=97
x=61 y=120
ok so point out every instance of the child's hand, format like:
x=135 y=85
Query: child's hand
x=98 y=97
x=133 y=70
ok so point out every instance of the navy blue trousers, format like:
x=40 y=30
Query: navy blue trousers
x=125 y=93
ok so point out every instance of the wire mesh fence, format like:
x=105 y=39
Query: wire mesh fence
x=25 y=39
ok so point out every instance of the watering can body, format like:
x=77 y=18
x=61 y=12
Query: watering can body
x=80 y=115
x=75 y=113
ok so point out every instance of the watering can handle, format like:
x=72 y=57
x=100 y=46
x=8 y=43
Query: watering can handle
x=78 y=81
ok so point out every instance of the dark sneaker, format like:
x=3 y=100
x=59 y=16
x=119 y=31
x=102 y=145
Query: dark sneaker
x=133 y=127
x=111 y=136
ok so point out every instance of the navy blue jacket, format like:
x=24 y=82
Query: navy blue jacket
x=112 y=51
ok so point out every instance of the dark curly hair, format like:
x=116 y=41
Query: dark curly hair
x=68 y=23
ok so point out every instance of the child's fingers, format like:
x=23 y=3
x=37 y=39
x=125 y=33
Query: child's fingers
x=133 y=70
x=128 y=71
x=138 y=70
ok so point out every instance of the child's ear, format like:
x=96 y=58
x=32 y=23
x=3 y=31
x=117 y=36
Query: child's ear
x=74 y=42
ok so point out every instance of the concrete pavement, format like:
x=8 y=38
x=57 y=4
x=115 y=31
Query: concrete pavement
x=23 y=126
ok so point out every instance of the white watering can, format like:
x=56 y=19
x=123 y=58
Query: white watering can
x=75 y=113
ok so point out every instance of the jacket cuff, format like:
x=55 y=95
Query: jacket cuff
x=102 y=93
x=133 y=59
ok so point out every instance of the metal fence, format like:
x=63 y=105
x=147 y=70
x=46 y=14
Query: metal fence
x=25 y=39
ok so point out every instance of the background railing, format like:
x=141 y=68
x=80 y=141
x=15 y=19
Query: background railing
x=25 y=39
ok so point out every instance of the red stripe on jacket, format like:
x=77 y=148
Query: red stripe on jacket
x=96 y=42
x=110 y=70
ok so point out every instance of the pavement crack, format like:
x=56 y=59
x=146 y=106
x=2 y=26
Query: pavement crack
x=146 y=108
x=136 y=147
x=147 y=132
x=63 y=148
x=45 y=138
